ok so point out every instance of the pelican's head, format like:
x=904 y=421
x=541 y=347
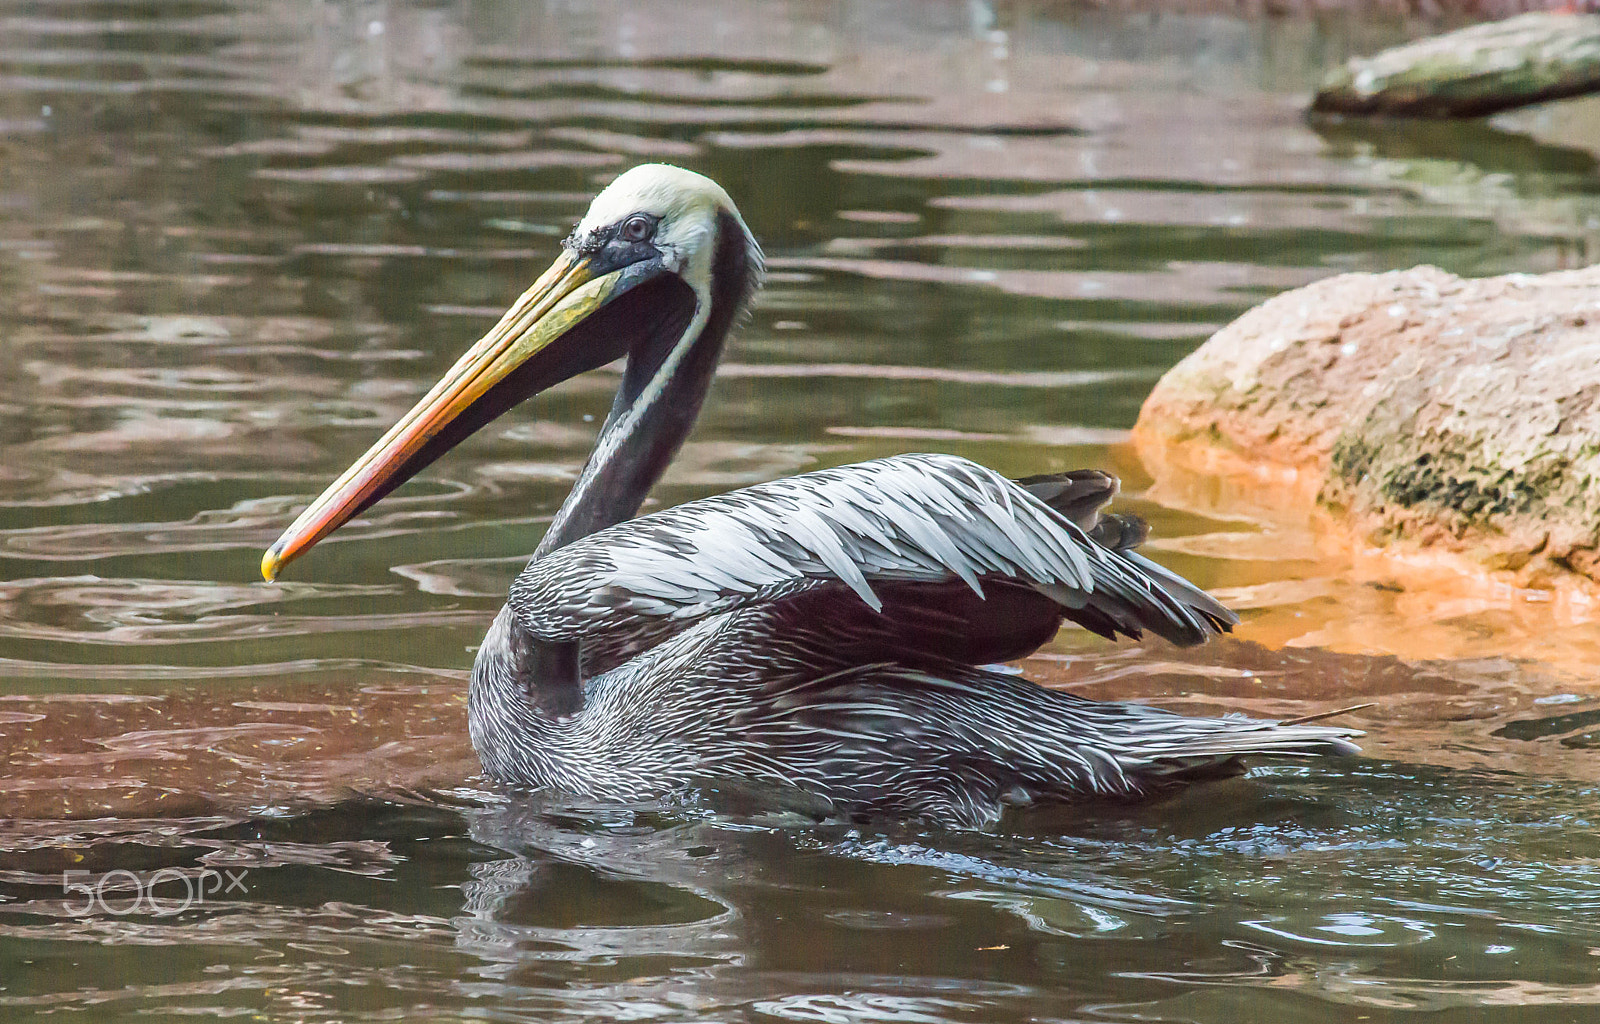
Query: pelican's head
x=662 y=217
x=658 y=269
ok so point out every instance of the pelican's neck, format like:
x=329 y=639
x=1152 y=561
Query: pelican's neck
x=523 y=687
x=663 y=386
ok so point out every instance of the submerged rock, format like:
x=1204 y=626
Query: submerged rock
x=1475 y=71
x=1424 y=410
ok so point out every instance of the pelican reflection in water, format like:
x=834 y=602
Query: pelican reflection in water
x=823 y=632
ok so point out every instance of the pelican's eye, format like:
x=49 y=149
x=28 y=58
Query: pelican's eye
x=637 y=228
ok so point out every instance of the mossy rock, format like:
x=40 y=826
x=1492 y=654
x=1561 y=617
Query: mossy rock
x=1475 y=71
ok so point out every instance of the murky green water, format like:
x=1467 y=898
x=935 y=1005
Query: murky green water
x=238 y=239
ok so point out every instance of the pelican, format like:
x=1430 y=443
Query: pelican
x=823 y=634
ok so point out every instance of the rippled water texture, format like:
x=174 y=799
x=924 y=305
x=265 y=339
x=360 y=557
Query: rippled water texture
x=238 y=239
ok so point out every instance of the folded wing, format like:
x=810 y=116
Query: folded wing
x=922 y=541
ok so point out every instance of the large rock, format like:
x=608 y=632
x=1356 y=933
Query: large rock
x=1428 y=410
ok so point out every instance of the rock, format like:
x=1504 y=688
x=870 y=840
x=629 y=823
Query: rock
x=1475 y=71
x=1422 y=410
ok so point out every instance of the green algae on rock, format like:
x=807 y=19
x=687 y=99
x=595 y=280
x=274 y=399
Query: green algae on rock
x=1472 y=72
x=1430 y=411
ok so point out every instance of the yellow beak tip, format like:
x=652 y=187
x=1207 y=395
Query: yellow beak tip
x=270 y=564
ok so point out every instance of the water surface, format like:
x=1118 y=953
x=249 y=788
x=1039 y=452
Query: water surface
x=238 y=239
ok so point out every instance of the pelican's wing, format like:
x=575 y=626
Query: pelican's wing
x=875 y=527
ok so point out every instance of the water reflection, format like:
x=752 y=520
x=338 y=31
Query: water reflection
x=238 y=237
x=1369 y=885
x=723 y=900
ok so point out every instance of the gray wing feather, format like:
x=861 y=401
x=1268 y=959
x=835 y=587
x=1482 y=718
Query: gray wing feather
x=906 y=518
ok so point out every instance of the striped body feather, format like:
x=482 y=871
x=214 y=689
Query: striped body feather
x=750 y=697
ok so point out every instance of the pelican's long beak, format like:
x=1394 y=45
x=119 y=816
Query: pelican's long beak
x=515 y=359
